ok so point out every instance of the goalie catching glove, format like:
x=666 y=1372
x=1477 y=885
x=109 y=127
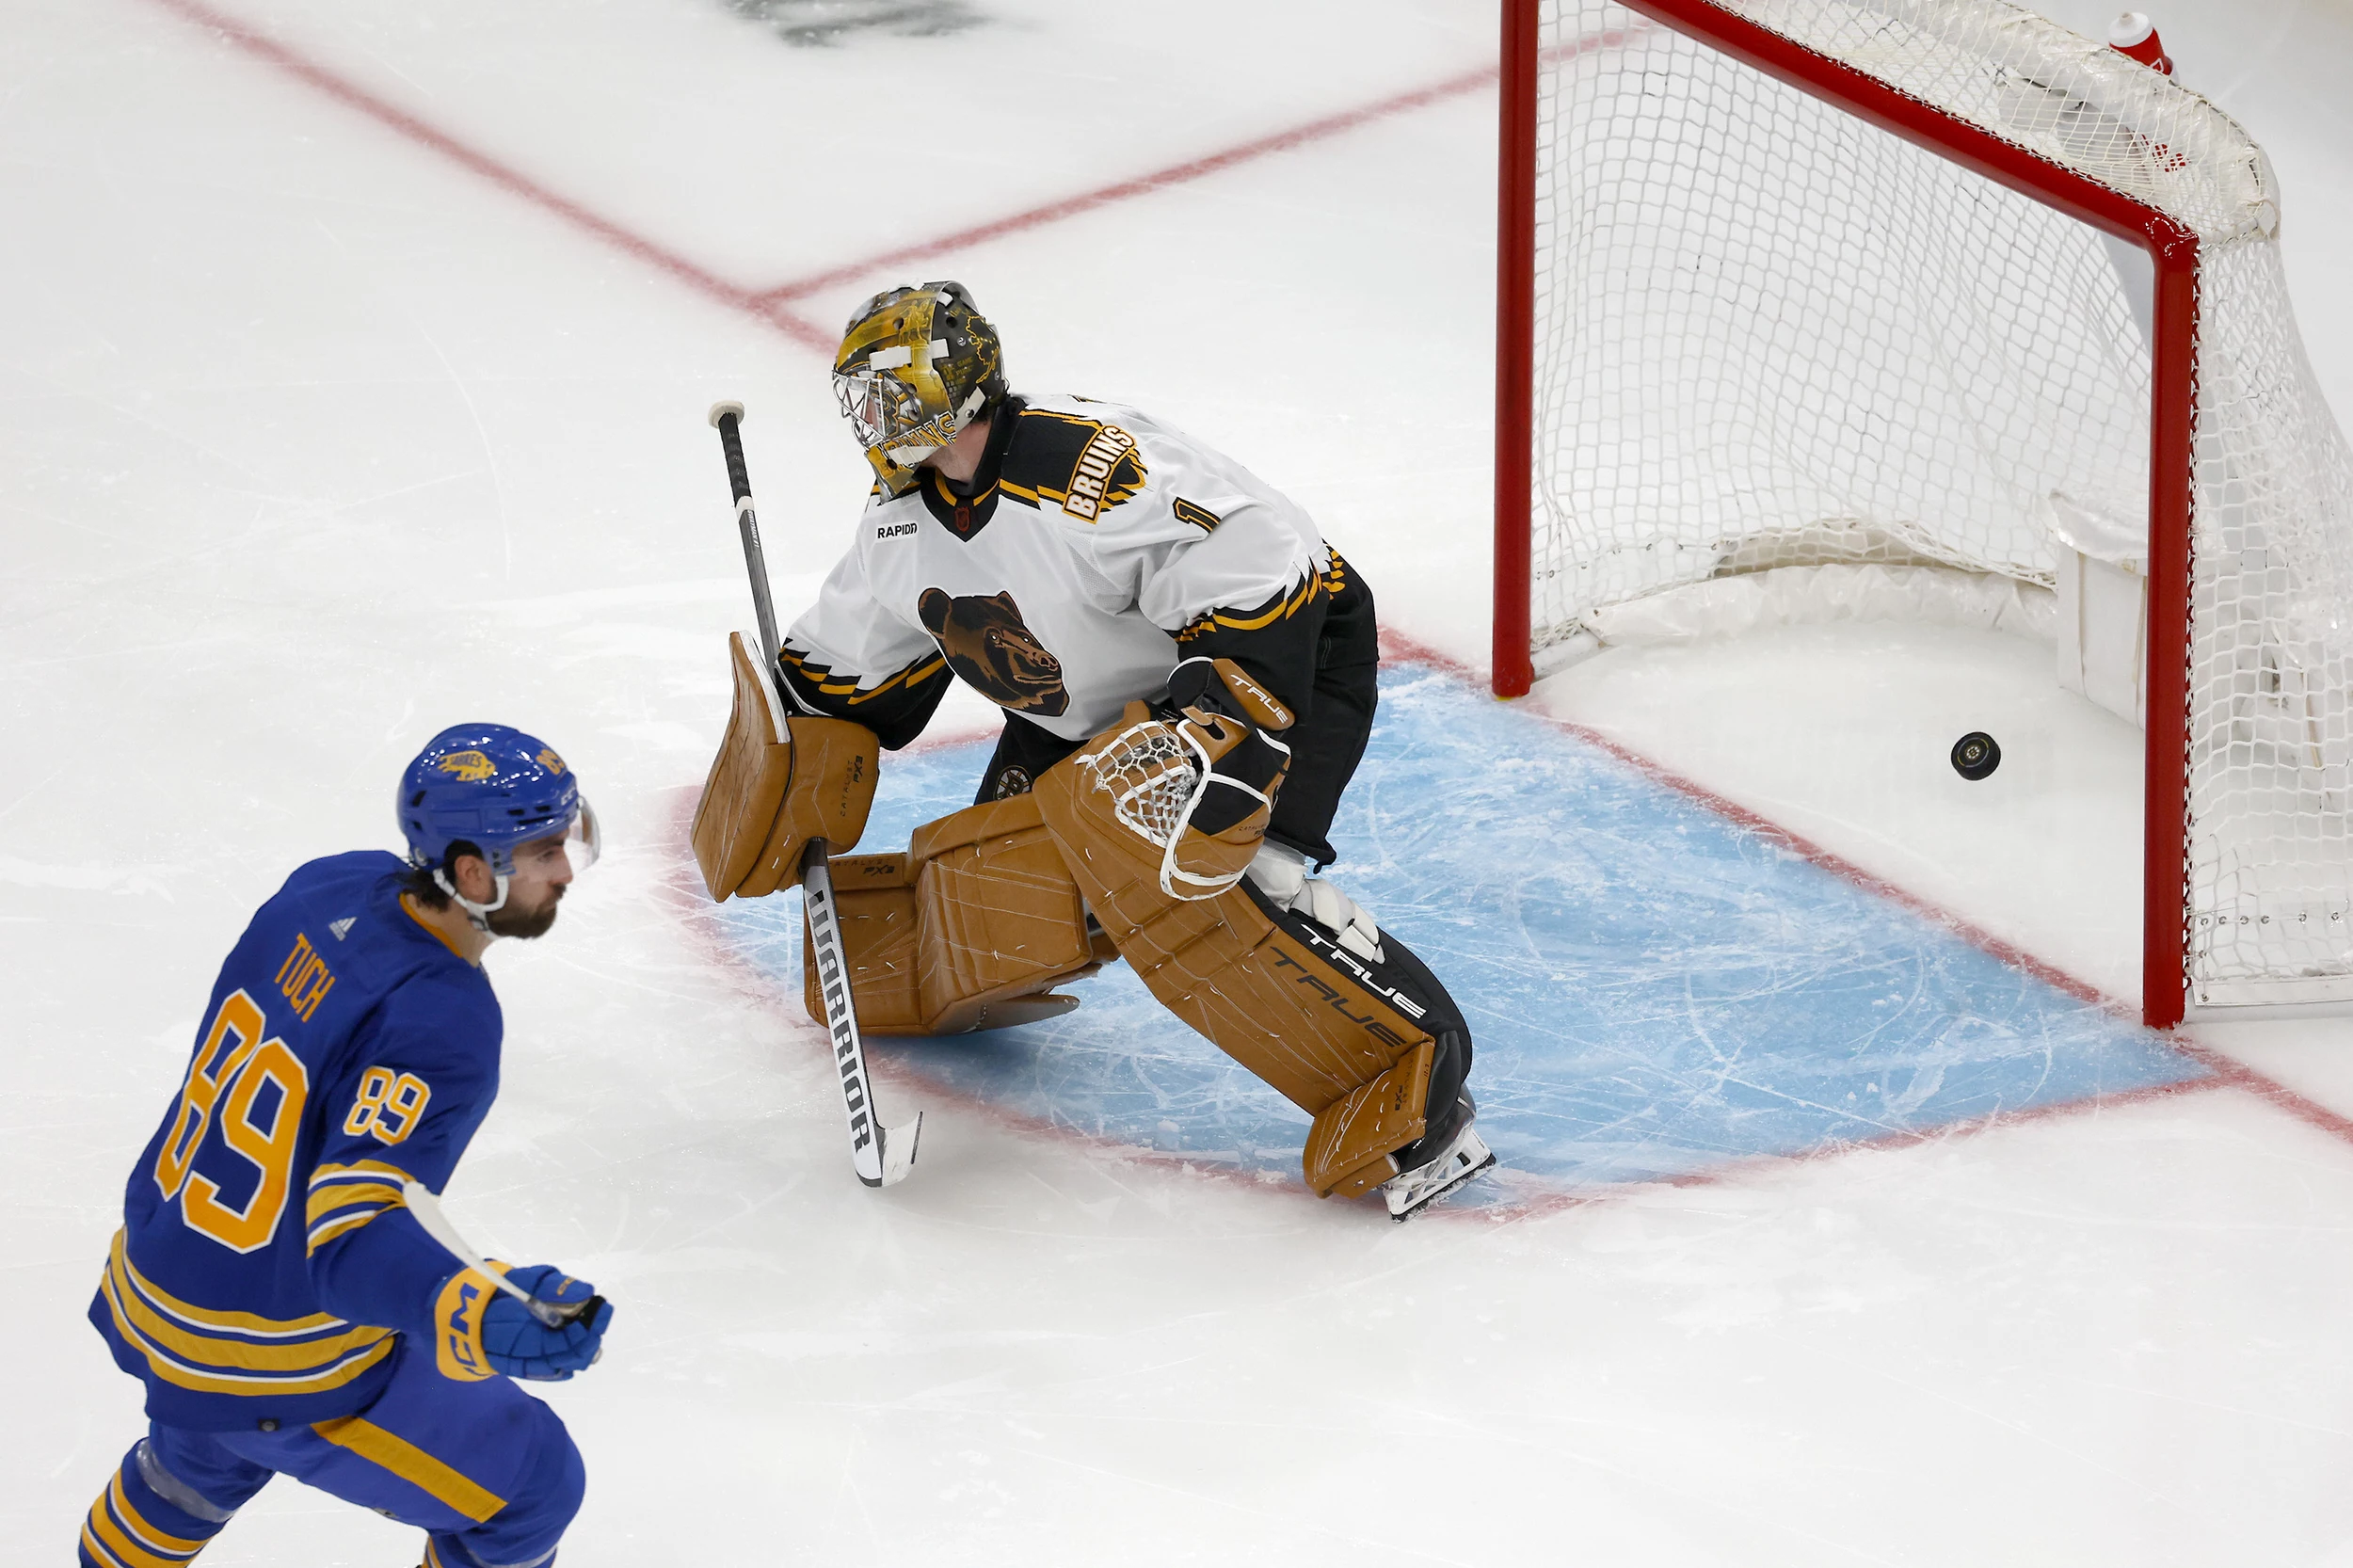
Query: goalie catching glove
x=1230 y=723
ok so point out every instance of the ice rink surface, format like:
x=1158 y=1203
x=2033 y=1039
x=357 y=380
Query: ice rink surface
x=354 y=362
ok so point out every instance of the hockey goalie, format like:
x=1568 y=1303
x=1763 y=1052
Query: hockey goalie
x=1188 y=677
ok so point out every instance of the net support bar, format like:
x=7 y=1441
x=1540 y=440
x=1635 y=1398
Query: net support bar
x=1515 y=348
x=2165 y=817
x=2172 y=248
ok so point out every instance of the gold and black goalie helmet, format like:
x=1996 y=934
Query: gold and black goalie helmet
x=916 y=366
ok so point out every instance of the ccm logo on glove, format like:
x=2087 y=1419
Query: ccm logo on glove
x=484 y=1332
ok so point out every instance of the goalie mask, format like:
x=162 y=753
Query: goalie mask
x=916 y=366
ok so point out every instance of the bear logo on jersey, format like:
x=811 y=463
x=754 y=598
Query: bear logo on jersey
x=997 y=655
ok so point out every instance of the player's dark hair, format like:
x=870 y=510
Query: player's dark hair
x=417 y=881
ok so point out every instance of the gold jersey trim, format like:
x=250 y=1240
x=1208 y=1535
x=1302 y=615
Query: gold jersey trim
x=145 y=1317
x=413 y=1464
x=914 y=675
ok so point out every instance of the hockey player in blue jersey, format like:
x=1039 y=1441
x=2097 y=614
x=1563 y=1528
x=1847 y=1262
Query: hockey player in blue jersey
x=287 y=1313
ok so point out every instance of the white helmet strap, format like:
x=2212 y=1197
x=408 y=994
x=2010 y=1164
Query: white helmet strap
x=478 y=913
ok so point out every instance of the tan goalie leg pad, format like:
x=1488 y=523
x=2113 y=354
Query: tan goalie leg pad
x=1350 y=1146
x=874 y=900
x=967 y=930
x=1246 y=984
x=776 y=783
x=998 y=920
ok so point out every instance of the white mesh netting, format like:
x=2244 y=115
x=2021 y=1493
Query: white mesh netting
x=1770 y=334
x=1151 y=775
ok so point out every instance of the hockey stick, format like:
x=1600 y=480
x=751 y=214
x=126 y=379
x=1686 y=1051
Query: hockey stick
x=428 y=1208
x=728 y=419
x=881 y=1156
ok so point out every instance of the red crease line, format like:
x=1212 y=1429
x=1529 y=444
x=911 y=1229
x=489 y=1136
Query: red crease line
x=2238 y=1075
x=1143 y=184
x=2226 y=1071
x=2016 y=957
x=351 y=95
x=769 y=308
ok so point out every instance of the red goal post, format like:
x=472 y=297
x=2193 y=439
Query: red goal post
x=1643 y=443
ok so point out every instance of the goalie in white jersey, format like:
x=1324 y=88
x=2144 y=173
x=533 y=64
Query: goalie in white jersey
x=1068 y=558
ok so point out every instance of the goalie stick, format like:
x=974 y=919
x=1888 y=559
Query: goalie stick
x=428 y=1209
x=882 y=1156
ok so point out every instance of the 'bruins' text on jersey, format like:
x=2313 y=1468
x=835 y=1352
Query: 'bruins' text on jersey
x=1093 y=549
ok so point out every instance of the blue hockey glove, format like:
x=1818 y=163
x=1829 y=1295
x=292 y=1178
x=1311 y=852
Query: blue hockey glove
x=516 y=1342
x=486 y=1331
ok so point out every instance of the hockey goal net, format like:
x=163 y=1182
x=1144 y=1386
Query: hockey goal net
x=1934 y=285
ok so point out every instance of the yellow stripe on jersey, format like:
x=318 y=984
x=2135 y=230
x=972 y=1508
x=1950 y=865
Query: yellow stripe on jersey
x=214 y=1363
x=1315 y=586
x=410 y=1463
x=914 y=675
x=230 y=1323
x=327 y=1200
x=249 y=1324
x=345 y=1197
x=327 y=1230
x=940 y=483
x=227 y=1367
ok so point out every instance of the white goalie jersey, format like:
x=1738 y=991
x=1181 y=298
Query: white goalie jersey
x=1094 y=544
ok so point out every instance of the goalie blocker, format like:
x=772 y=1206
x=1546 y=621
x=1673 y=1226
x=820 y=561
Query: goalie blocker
x=776 y=783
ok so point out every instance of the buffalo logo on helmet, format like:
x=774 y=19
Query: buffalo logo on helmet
x=489 y=786
x=916 y=366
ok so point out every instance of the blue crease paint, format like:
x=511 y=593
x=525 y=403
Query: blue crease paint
x=1656 y=990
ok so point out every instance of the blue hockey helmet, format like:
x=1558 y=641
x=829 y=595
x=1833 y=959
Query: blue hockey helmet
x=494 y=787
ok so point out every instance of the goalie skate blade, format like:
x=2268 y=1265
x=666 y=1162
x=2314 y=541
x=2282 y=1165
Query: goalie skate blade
x=898 y=1153
x=1416 y=1190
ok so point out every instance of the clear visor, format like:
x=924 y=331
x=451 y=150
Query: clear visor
x=578 y=845
x=882 y=408
x=582 y=840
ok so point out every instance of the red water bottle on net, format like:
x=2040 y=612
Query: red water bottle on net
x=2134 y=36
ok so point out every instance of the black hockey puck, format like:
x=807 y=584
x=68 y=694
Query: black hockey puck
x=1976 y=756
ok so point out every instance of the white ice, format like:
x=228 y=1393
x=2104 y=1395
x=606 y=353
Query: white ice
x=317 y=438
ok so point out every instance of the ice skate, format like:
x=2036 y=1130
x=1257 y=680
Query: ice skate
x=1461 y=1157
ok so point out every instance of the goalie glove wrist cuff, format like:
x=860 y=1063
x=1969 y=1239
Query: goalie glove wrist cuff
x=1232 y=721
x=1198 y=687
x=1241 y=784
